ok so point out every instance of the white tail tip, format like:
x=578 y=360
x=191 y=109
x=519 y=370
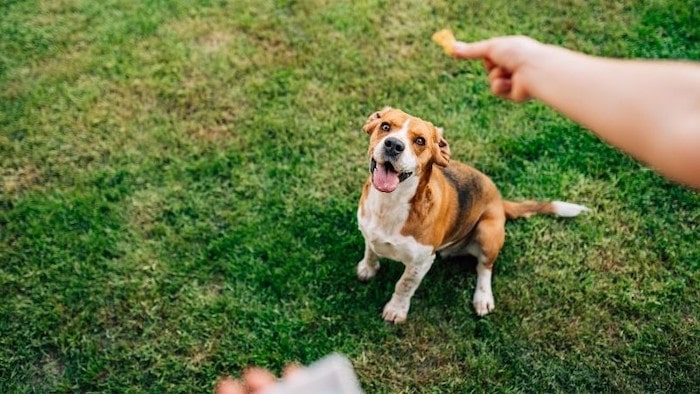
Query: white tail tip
x=567 y=209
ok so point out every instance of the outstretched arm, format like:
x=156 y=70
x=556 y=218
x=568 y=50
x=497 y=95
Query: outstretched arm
x=649 y=109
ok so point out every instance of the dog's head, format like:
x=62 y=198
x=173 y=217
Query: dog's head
x=402 y=146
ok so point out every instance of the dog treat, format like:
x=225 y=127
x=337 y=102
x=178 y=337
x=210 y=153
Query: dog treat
x=446 y=39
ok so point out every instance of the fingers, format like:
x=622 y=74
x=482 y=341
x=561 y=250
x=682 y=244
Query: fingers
x=502 y=88
x=499 y=77
x=229 y=386
x=504 y=58
x=257 y=379
x=474 y=50
x=498 y=73
x=291 y=369
x=254 y=380
x=500 y=81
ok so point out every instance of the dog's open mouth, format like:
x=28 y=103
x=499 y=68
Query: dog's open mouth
x=385 y=178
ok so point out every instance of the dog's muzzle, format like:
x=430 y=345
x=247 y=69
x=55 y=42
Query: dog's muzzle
x=385 y=178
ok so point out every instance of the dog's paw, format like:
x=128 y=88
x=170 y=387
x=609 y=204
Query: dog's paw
x=366 y=272
x=395 y=312
x=483 y=302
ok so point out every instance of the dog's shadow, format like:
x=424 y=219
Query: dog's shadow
x=449 y=281
x=455 y=265
x=449 y=278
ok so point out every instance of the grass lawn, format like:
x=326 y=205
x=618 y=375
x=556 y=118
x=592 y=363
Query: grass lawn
x=179 y=183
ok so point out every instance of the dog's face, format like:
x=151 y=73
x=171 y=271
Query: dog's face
x=402 y=146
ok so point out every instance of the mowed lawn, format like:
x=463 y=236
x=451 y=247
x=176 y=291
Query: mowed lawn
x=179 y=183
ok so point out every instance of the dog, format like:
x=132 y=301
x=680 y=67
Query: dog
x=417 y=203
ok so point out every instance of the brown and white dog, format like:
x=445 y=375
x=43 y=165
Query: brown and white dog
x=417 y=203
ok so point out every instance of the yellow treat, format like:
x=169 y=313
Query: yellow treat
x=446 y=39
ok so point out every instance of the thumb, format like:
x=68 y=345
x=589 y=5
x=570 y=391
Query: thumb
x=474 y=50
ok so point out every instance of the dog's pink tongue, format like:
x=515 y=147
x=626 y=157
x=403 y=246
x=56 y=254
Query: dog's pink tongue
x=384 y=179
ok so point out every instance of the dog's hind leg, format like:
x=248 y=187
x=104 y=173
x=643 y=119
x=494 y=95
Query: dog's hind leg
x=488 y=239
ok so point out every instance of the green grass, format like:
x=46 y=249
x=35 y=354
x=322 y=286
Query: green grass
x=180 y=178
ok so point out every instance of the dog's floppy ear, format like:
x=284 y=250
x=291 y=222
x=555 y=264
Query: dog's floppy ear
x=442 y=154
x=374 y=120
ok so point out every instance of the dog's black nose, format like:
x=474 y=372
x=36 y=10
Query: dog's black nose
x=393 y=147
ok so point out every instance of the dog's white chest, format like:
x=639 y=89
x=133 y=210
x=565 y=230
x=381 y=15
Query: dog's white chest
x=381 y=227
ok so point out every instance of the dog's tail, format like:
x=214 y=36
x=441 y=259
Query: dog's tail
x=525 y=209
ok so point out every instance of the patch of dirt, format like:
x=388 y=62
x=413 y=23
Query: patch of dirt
x=17 y=180
x=212 y=133
x=48 y=371
x=214 y=41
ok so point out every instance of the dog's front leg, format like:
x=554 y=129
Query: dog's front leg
x=396 y=309
x=368 y=266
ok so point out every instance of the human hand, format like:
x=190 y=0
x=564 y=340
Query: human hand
x=508 y=60
x=254 y=380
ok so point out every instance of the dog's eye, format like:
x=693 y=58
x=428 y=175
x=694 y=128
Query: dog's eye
x=385 y=126
x=420 y=141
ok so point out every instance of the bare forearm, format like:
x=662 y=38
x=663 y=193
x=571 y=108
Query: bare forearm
x=650 y=110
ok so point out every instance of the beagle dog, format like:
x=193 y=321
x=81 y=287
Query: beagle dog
x=417 y=203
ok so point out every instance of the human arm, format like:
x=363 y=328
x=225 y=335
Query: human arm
x=649 y=109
